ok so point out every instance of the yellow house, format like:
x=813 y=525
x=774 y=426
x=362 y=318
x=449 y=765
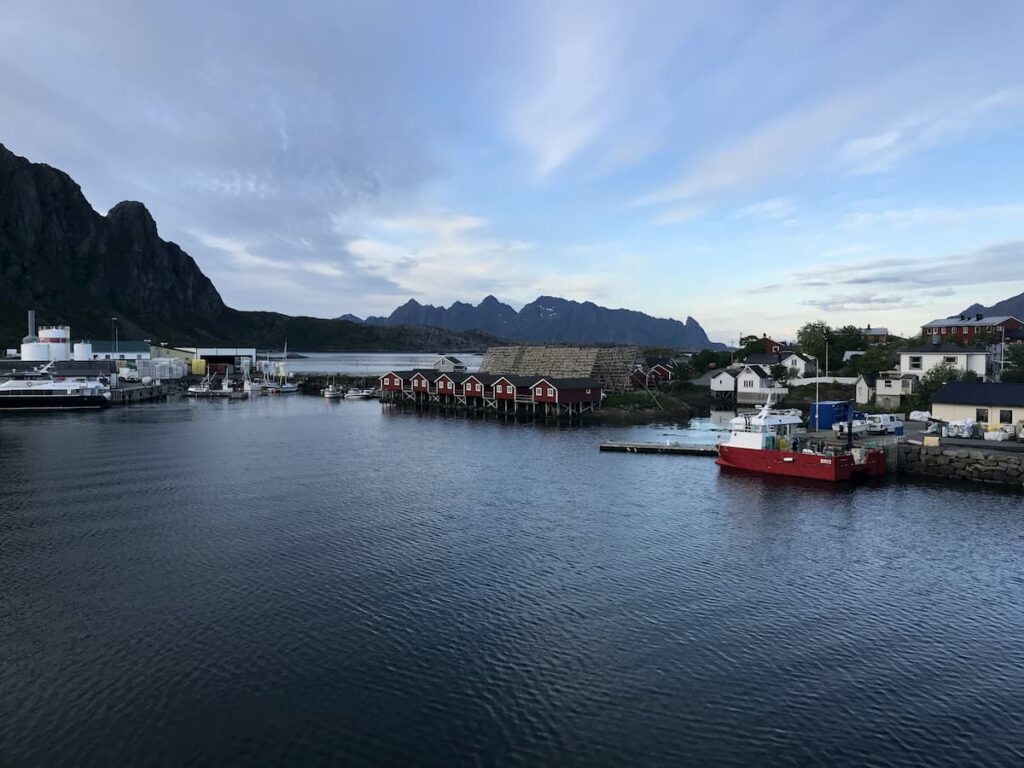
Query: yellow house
x=992 y=405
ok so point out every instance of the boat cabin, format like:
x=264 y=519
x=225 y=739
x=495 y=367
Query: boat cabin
x=767 y=429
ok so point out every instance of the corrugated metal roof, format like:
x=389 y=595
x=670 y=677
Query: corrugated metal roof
x=944 y=349
x=951 y=321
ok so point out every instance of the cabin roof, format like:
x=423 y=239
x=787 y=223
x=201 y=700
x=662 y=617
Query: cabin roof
x=980 y=393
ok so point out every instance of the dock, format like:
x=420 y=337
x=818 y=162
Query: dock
x=136 y=393
x=678 y=449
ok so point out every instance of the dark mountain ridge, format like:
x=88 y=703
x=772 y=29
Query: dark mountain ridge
x=80 y=268
x=1013 y=306
x=555 y=320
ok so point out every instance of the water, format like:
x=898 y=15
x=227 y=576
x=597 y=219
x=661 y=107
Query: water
x=296 y=581
x=372 y=363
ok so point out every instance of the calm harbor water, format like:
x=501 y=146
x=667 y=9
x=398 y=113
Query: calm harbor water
x=295 y=581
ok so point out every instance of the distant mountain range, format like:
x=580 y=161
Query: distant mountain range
x=555 y=320
x=77 y=267
x=1013 y=306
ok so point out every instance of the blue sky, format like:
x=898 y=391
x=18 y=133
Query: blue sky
x=753 y=165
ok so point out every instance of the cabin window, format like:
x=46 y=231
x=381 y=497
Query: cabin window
x=1006 y=417
x=499 y=388
x=915 y=362
x=588 y=391
x=539 y=391
x=748 y=383
x=950 y=360
x=551 y=392
x=981 y=415
x=943 y=331
x=387 y=380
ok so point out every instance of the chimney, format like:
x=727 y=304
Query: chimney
x=31 y=338
x=962 y=318
x=979 y=316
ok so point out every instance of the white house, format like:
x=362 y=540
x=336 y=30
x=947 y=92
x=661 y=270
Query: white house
x=723 y=384
x=800 y=365
x=754 y=384
x=891 y=387
x=449 y=364
x=919 y=360
x=724 y=381
x=865 y=388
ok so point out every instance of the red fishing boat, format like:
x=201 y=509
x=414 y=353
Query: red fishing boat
x=775 y=443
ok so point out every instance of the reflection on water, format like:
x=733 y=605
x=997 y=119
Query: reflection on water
x=297 y=581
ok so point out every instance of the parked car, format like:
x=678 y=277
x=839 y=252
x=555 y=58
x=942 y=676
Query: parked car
x=884 y=424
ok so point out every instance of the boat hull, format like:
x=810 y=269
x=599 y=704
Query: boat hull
x=813 y=466
x=53 y=403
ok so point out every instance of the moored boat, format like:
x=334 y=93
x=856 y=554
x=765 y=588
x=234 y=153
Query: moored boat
x=40 y=390
x=775 y=443
x=360 y=394
x=332 y=392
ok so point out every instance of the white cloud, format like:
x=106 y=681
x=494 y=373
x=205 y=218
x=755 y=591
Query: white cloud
x=592 y=69
x=785 y=145
x=995 y=263
x=443 y=256
x=768 y=210
x=236 y=184
x=927 y=130
x=932 y=216
x=679 y=215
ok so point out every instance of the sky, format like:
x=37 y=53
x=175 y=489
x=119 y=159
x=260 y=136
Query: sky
x=753 y=165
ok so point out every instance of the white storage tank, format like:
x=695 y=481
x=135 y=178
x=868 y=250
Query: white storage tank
x=83 y=351
x=35 y=352
x=58 y=338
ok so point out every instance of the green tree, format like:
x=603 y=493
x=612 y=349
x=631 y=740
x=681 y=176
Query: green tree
x=780 y=374
x=933 y=380
x=705 y=360
x=746 y=341
x=875 y=359
x=1013 y=367
x=847 y=338
x=814 y=338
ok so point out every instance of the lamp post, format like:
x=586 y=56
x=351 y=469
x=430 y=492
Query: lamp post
x=113 y=332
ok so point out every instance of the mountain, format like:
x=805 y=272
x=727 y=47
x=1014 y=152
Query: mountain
x=1013 y=306
x=80 y=268
x=552 y=319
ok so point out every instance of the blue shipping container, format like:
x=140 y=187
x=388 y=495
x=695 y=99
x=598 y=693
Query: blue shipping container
x=828 y=412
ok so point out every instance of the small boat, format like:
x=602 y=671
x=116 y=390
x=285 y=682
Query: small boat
x=40 y=390
x=282 y=386
x=360 y=394
x=775 y=443
x=332 y=392
x=202 y=389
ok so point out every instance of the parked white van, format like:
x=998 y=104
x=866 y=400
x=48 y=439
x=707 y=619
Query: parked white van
x=883 y=423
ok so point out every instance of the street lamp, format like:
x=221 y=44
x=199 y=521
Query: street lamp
x=113 y=332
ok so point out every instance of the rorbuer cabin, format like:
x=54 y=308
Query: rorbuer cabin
x=477 y=386
x=393 y=381
x=446 y=385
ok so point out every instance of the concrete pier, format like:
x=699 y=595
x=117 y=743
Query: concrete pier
x=136 y=393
